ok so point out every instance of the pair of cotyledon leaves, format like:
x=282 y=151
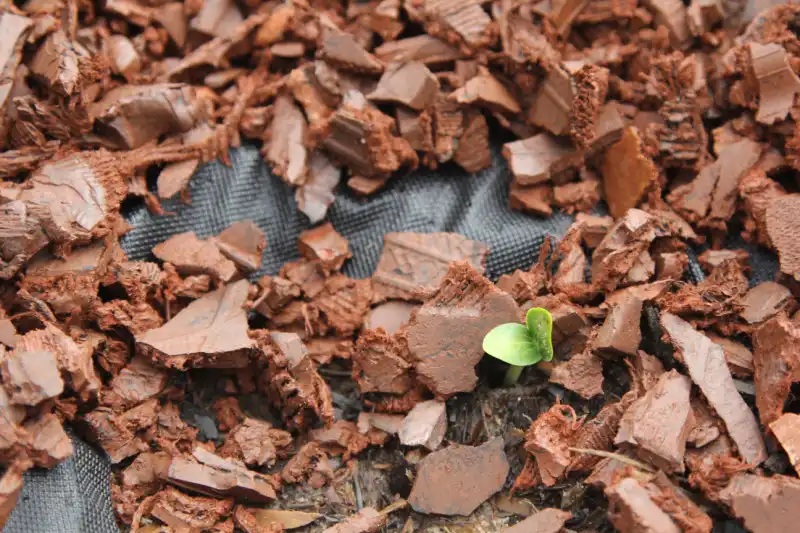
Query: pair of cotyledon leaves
x=522 y=344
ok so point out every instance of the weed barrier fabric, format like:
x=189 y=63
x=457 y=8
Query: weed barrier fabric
x=75 y=496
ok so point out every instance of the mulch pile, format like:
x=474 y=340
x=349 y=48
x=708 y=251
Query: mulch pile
x=675 y=398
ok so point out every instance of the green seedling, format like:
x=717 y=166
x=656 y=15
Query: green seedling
x=522 y=345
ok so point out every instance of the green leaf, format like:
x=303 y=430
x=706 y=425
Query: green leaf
x=511 y=343
x=540 y=328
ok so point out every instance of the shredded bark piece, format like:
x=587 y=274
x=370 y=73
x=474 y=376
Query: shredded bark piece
x=243 y=243
x=763 y=504
x=255 y=442
x=549 y=440
x=787 y=430
x=582 y=374
x=412 y=265
x=658 y=424
x=620 y=334
x=540 y=158
x=286 y=153
x=294 y=384
x=209 y=332
x=191 y=255
x=775 y=356
x=456 y=22
x=705 y=362
x=425 y=425
x=380 y=363
x=621 y=247
x=215 y=476
x=326 y=245
x=544 y=521
x=466 y=302
x=777 y=82
x=781 y=230
x=486 y=91
x=410 y=84
x=446 y=483
x=363 y=139
x=764 y=301
x=627 y=173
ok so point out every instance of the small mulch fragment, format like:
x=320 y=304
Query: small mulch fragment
x=632 y=509
x=243 y=243
x=410 y=84
x=391 y=316
x=776 y=356
x=787 y=430
x=446 y=483
x=380 y=363
x=326 y=245
x=705 y=362
x=255 y=442
x=764 y=504
x=658 y=424
x=191 y=255
x=210 y=332
x=549 y=440
x=446 y=334
x=782 y=233
x=582 y=374
x=412 y=265
x=777 y=82
x=540 y=158
x=737 y=355
x=210 y=474
x=425 y=425
x=764 y=301
x=627 y=173
x=620 y=334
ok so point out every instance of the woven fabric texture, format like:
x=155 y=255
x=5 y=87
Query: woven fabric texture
x=75 y=496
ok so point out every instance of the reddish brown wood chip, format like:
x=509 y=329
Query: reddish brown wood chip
x=658 y=424
x=632 y=509
x=764 y=301
x=540 y=158
x=787 y=430
x=705 y=362
x=777 y=82
x=738 y=357
x=582 y=374
x=782 y=231
x=413 y=264
x=425 y=425
x=627 y=173
x=326 y=245
x=191 y=255
x=776 y=352
x=10 y=487
x=620 y=334
x=210 y=474
x=380 y=363
x=210 y=332
x=764 y=504
x=466 y=303
x=410 y=84
x=243 y=243
x=446 y=483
